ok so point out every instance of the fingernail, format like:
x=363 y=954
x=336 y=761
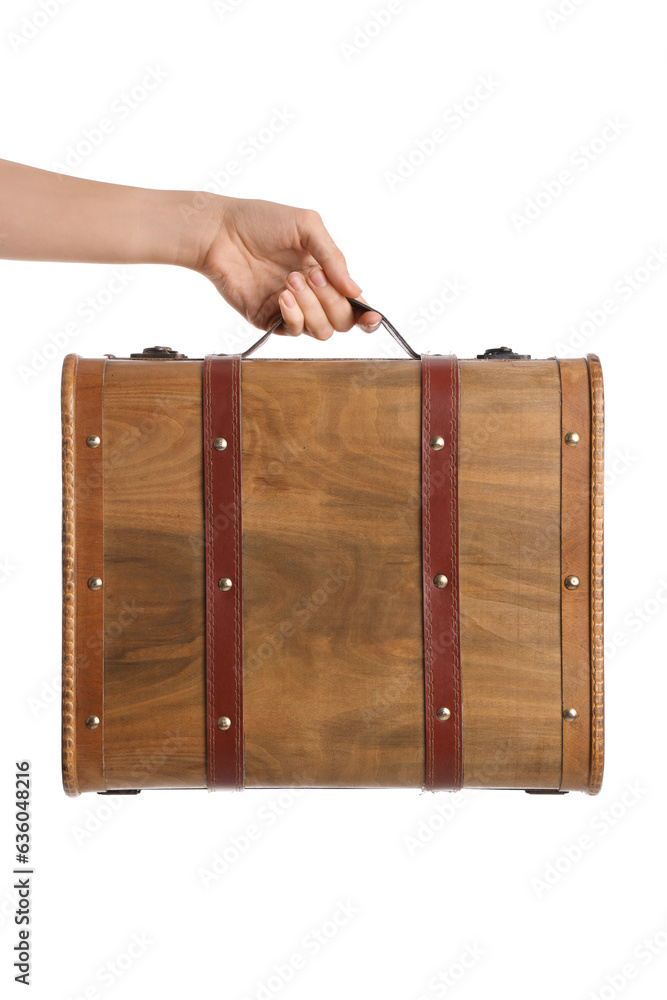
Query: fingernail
x=373 y=328
x=288 y=300
x=296 y=280
x=318 y=277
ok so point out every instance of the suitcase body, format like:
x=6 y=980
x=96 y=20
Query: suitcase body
x=332 y=639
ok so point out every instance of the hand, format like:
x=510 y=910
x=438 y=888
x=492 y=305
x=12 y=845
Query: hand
x=269 y=260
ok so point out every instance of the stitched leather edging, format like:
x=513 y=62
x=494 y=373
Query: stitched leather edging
x=70 y=783
x=596 y=606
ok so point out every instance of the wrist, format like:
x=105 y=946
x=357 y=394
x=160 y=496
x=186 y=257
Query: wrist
x=187 y=222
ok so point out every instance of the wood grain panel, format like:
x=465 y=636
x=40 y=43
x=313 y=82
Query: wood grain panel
x=509 y=525
x=333 y=672
x=154 y=575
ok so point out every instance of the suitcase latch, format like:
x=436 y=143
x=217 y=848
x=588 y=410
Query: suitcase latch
x=500 y=353
x=159 y=352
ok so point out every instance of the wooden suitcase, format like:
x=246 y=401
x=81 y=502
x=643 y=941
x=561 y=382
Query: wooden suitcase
x=332 y=573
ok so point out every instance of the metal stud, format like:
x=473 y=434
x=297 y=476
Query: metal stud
x=571 y=582
x=219 y=444
x=570 y=714
x=224 y=722
x=93 y=441
x=440 y=581
x=572 y=438
x=94 y=583
x=437 y=443
x=443 y=714
x=224 y=583
x=92 y=722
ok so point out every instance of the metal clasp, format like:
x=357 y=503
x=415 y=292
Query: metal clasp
x=502 y=353
x=166 y=353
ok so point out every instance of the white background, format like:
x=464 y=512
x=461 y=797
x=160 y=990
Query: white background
x=500 y=875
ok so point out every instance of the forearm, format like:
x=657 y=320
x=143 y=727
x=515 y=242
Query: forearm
x=55 y=217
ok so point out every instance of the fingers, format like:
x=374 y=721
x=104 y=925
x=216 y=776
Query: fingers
x=337 y=309
x=341 y=314
x=302 y=311
x=293 y=321
x=318 y=242
x=313 y=306
x=368 y=321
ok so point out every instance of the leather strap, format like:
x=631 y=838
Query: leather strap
x=224 y=584
x=575 y=562
x=442 y=667
x=87 y=559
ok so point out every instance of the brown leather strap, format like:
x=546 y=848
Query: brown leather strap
x=442 y=667
x=87 y=562
x=224 y=584
x=575 y=562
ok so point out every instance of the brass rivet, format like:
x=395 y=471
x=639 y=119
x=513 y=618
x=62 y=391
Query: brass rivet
x=440 y=581
x=94 y=583
x=224 y=722
x=443 y=714
x=437 y=443
x=570 y=714
x=93 y=441
x=572 y=438
x=224 y=583
x=571 y=582
x=92 y=722
x=219 y=444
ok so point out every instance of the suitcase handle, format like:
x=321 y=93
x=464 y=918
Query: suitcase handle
x=359 y=305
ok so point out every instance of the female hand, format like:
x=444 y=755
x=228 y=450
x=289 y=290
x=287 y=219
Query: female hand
x=269 y=260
